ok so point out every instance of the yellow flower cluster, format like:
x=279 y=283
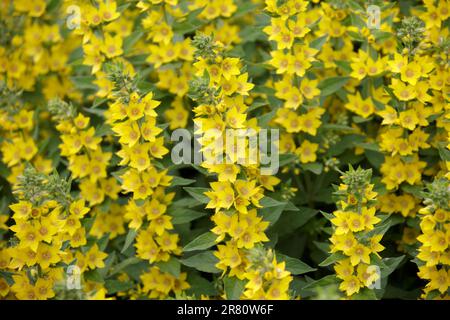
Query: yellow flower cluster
x=94 y=205
x=235 y=200
x=133 y=120
x=19 y=145
x=434 y=250
x=41 y=245
x=354 y=234
x=293 y=57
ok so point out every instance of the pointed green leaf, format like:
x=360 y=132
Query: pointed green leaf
x=171 y=266
x=293 y=265
x=233 y=287
x=331 y=85
x=131 y=235
x=332 y=259
x=202 y=242
x=198 y=193
x=204 y=261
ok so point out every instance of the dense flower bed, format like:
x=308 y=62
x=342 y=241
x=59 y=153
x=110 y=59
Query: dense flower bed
x=99 y=198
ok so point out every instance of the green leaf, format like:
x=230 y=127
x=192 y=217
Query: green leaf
x=319 y=42
x=314 y=167
x=357 y=21
x=383 y=226
x=84 y=82
x=110 y=260
x=123 y=7
x=326 y=281
x=263 y=120
x=190 y=24
x=375 y=158
x=114 y=286
x=131 y=40
x=182 y=215
x=179 y=181
x=103 y=242
x=332 y=259
x=7 y=276
x=250 y=33
x=93 y=275
x=291 y=207
x=257 y=104
x=444 y=153
x=203 y=171
x=103 y=130
x=200 y=286
x=185 y=202
x=233 y=288
x=331 y=85
x=327 y=215
x=323 y=246
x=381 y=35
x=198 y=193
x=171 y=266
x=272 y=214
x=368 y=146
x=416 y=191
x=204 y=261
x=355 y=6
x=391 y=264
x=264 y=90
x=98 y=102
x=123 y=264
x=365 y=294
x=287 y=158
x=243 y=8
x=202 y=242
x=358 y=119
x=129 y=239
x=292 y=220
x=268 y=202
x=97 y=112
x=344 y=65
x=293 y=265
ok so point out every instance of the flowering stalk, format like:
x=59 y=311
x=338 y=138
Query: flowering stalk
x=433 y=255
x=292 y=58
x=355 y=238
x=133 y=119
x=236 y=195
x=49 y=238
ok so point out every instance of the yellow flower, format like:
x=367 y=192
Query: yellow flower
x=128 y=131
x=410 y=73
x=440 y=280
x=95 y=257
x=29 y=236
x=108 y=10
x=230 y=67
x=44 y=289
x=408 y=119
x=309 y=88
x=359 y=253
x=78 y=208
x=281 y=61
x=403 y=91
x=351 y=285
x=356 y=222
x=47 y=255
x=307 y=151
x=389 y=115
x=112 y=46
